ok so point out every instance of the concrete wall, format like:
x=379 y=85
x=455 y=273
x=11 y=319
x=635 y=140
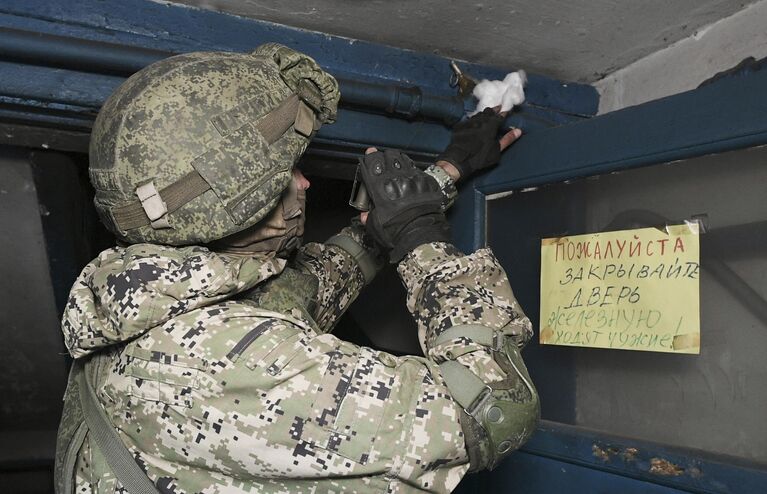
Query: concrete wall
x=688 y=62
x=575 y=40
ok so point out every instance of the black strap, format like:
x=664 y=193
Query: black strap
x=103 y=434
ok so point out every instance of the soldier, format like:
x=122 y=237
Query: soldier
x=203 y=358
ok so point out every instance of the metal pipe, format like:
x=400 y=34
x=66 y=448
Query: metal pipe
x=99 y=57
x=403 y=101
x=83 y=55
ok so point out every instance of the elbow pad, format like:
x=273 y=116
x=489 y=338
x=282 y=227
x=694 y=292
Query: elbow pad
x=365 y=260
x=498 y=417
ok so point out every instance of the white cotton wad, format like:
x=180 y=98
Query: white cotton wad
x=507 y=93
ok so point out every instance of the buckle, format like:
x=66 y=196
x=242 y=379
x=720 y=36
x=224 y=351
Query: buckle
x=304 y=123
x=153 y=205
x=479 y=402
x=517 y=337
x=499 y=340
x=310 y=94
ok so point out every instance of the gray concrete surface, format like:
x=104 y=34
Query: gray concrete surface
x=688 y=62
x=577 y=40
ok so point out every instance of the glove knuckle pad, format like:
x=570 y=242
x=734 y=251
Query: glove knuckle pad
x=402 y=197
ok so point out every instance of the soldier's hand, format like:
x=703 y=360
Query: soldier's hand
x=405 y=209
x=474 y=144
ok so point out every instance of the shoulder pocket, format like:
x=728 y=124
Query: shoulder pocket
x=276 y=348
x=350 y=405
x=272 y=343
x=163 y=377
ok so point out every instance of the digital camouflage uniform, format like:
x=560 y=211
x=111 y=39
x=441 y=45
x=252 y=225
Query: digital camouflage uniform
x=213 y=392
x=217 y=370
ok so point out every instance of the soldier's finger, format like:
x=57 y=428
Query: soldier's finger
x=302 y=183
x=509 y=138
x=371 y=150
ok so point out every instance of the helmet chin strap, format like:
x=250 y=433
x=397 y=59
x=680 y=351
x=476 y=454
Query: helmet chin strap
x=279 y=234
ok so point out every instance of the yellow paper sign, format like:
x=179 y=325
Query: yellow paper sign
x=628 y=290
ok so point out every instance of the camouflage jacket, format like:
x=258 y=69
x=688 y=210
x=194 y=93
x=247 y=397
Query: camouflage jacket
x=216 y=383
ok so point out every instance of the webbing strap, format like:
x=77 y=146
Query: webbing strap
x=279 y=120
x=70 y=460
x=464 y=385
x=120 y=460
x=174 y=196
x=364 y=260
x=272 y=127
x=482 y=335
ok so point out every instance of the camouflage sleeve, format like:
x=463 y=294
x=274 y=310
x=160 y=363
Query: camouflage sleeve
x=348 y=261
x=446 y=185
x=446 y=288
x=343 y=266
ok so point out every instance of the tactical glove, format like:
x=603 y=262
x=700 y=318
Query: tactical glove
x=474 y=144
x=406 y=203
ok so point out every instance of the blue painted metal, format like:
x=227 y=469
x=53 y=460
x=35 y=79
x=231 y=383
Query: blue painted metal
x=467 y=217
x=179 y=29
x=120 y=37
x=728 y=114
x=536 y=474
x=52 y=70
x=36 y=48
x=85 y=57
x=81 y=94
x=677 y=468
x=56 y=86
x=366 y=129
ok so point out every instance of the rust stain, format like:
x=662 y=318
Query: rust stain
x=630 y=454
x=600 y=453
x=660 y=466
x=606 y=453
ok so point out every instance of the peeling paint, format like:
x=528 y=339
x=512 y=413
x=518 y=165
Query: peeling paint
x=607 y=453
x=630 y=454
x=600 y=453
x=661 y=466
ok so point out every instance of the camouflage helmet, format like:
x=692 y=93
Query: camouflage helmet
x=199 y=146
